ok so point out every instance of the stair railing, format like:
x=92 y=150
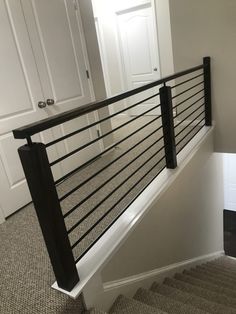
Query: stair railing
x=185 y=110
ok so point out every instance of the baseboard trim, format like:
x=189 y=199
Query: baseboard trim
x=160 y=272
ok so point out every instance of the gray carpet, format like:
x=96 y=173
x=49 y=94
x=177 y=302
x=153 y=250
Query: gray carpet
x=25 y=271
x=192 y=292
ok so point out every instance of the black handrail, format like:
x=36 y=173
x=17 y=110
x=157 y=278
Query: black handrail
x=36 y=127
x=60 y=230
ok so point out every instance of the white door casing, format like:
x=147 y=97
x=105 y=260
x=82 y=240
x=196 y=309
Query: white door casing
x=140 y=53
x=55 y=68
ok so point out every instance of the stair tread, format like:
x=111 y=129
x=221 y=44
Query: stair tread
x=96 y=311
x=191 y=299
x=164 y=303
x=126 y=305
x=206 y=285
x=201 y=292
x=212 y=278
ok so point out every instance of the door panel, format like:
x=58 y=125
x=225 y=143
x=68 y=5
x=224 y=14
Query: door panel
x=20 y=90
x=139 y=50
x=57 y=37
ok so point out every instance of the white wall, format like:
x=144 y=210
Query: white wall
x=207 y=27
x=106 y=19
x=230 y=181
x=186 y=222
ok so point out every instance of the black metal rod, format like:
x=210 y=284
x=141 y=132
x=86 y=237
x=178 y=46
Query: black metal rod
x=180 y=112
x=168 y=126
x=101 y=137
x=199 y=128
x=101 y=170
x=114 y=205
x=111 y=178
x=100 y=121
x=191 y=132
x=105 y=151
x=189 y=80
x=190 y=123
x=187 y=90
x=113 y=191
x=118 y=216
x=182 y=102
x=39 y=177
x=48 y=123
x=189 y=115
x=207 y=85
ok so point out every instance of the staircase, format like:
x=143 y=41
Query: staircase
x=209 y=288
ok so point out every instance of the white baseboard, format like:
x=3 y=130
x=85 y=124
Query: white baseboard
x=128 y=286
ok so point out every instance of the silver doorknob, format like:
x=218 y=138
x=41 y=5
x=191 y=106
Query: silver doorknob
x=42 y=104
x=155 y=69
x=50 y=102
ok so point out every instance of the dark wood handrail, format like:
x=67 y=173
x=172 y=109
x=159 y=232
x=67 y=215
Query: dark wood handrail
x=42 y=125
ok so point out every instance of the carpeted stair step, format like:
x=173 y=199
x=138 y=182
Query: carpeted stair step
x=206 y=285
x=220 y=269
x=95 y=311
x=225 y=262
x=125 y=305
x=191 y=299
x=165 y=303
x=217 y=272
x=201 y=292
x=209 y=277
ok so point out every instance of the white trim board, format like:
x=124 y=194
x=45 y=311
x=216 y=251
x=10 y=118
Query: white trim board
x=129 y=285
x=99 y=255
x=160 y=273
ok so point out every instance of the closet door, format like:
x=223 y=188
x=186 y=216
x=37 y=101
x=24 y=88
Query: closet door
x=20 y=92
x=57 y=39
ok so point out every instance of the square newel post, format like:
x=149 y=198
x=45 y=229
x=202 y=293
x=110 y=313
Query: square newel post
x=168 y=126
x=207 y=90
x=44 y=194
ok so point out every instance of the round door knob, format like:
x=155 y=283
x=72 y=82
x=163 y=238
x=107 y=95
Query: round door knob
x=50 y=102
x=42 y=104
x=155 y=69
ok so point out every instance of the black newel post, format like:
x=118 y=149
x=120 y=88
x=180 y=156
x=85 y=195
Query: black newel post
x=43 y=191
x=168 y=126
x=207 y=90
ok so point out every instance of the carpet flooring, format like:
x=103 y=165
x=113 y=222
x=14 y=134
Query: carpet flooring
x=209 y=288
x=25 y=271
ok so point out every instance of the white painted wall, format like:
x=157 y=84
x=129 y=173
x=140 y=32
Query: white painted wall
x=105 y=16
x=230 y=181
x=207 y=27
x=185 y=223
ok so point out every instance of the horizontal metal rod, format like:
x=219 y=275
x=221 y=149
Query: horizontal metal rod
x=110 y=179
x=114 y=205
x=190 y=123
x=113 y=191
x=190 y=131
x=48 y=123
x=99 y=122
x=192 y=78
x=199 y=128
x=187 y=118
x=187 y=90
x=118 y=216
x=100 y=137
x=105 y=151
x=182 y=102
x=179 y=113
x=101 y=170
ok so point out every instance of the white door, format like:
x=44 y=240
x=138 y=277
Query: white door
x=56 y=34
x=54 y=69
x=139 y=50
x=20 y=91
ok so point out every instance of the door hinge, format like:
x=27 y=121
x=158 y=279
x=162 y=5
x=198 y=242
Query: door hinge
x=75 y=5
x=87 y=73
x=98 y=133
